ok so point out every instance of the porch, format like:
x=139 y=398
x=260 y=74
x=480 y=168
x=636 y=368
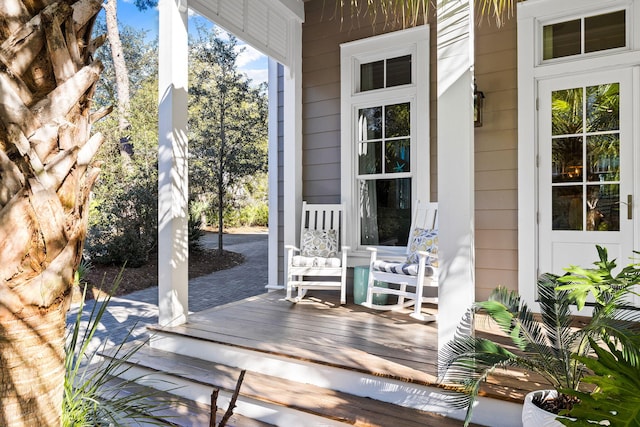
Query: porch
x=319 y=363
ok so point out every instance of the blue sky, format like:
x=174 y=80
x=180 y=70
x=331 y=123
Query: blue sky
x=250 y=61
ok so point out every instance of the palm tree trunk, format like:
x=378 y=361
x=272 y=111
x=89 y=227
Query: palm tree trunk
x=47 y=79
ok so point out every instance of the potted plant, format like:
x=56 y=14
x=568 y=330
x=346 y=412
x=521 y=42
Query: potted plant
x=547 y=344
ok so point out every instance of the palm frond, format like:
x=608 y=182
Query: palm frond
x=409 y=13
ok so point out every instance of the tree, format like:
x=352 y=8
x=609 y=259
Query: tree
x=228 y=126
x=47 y=79
x=122 y=79
x=123 y=220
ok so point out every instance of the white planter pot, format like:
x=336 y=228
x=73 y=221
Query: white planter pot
x=532 y=416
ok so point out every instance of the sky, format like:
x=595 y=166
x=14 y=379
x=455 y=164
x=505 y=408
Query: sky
x=250 y=61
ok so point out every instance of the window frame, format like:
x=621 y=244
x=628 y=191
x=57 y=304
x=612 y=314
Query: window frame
x=541 y=23
x=413 y=41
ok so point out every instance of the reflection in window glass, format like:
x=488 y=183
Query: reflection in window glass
x=399 y=71
x=370 y=158
x=603 y=207
x=606 y=31
x=566 y=208
x=397 y=156
x=566 y=158
x=372 y=76
x=603 y=154
x=397 y=120
x=566 y=111
x=386 y=211
x=588 y=156
x=561 y=39
x=370 y=123
x=603 y=107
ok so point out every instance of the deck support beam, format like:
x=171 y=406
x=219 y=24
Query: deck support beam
x=173 y=191
x=456 y=163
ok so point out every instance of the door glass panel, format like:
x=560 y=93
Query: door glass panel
x=603 y=154
x=567 y=207
x=603 y=107
x=566 y=158
x=606 y=31
x=561 y=39
x=588 y=156
x=603 y=207
x=566 y=111
x=385 y=206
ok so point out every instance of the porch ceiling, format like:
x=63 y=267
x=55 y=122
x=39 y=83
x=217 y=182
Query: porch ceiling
x=265 y=25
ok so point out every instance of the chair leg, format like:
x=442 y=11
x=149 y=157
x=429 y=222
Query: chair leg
x=369 y=300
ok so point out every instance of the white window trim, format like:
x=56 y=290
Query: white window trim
x=532 y=15
x=413 y=41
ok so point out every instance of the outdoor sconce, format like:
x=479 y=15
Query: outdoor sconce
x=478 y=101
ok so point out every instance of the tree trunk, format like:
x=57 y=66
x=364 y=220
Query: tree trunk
x=47 y=79
x=221 y=171
x=122 y=80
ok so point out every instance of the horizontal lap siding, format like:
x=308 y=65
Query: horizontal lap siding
x=322 y=35
x=496 y=160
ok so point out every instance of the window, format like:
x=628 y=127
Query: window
x=385 y=134
x=585 y=35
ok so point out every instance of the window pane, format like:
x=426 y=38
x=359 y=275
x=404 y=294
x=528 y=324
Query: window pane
x=603 y=154
x=566 y=111
x=399 y=71
x=603 y=207
x=603 y=107
x=385 y=207
x=566 y=208
x=397 y=120
x=605 y=31
x=566 y=160
x=371 y=76
x=370 y=158
x=397 y=156
x=561 y=39
x=370 y=123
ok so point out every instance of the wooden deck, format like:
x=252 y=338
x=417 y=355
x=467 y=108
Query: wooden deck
x=383 y=344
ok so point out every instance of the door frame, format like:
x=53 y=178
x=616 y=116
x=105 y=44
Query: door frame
x=531 y=16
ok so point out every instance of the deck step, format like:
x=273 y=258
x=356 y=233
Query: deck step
x=176 y=411
x=303 y=404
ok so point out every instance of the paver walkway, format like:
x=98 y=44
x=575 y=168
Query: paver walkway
x=130 y=314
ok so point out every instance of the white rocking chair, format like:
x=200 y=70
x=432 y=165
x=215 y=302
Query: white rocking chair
x=415 y=273
x=321 y=254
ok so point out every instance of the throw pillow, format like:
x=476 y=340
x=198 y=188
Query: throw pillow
x=320 y=243
x=422 y=240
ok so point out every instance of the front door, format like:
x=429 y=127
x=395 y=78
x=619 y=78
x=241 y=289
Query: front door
x=585 y=174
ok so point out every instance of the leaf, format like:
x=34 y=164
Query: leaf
x=616 y=400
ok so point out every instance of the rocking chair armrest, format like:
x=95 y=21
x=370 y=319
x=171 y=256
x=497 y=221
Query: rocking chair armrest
x=292 y=248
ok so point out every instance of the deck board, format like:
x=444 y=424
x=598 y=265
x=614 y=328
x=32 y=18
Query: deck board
x=388 y=344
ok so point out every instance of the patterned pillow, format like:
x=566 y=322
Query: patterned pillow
x=320 y=243
x=422 y=240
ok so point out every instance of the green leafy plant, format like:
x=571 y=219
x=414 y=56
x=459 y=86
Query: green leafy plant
x=92 y=395
x=548 y=345
x=616 y=368
x=616 y=399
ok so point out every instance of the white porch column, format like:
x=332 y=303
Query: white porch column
x=173 y=242
x=455 y=163
x=292 y=164
x=273 y=176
